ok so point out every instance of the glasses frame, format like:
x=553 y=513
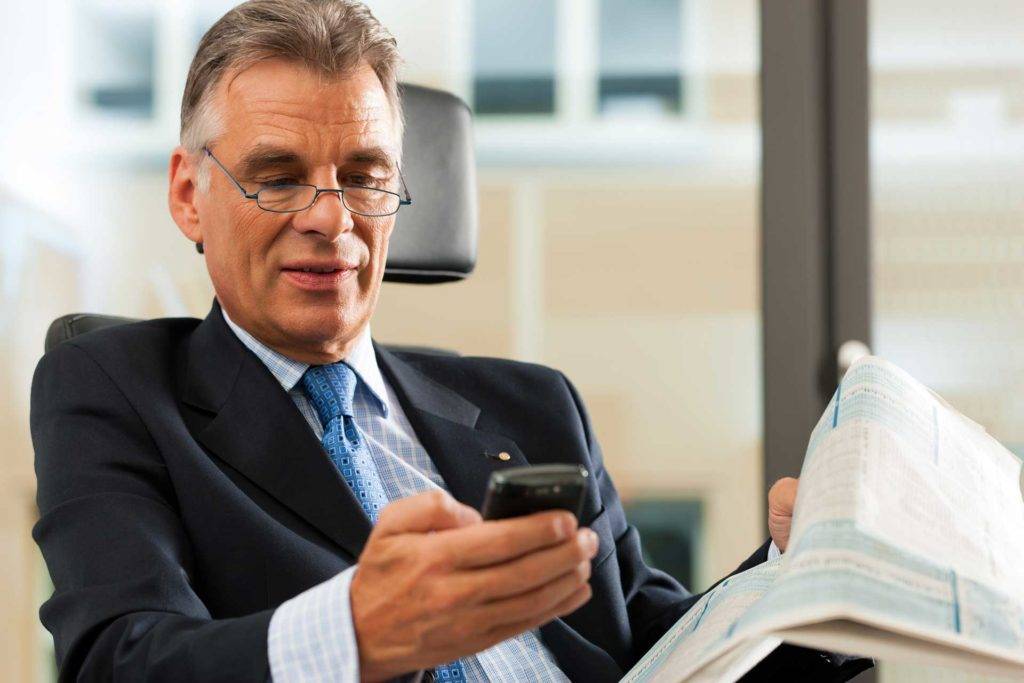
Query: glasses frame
x=255 y=196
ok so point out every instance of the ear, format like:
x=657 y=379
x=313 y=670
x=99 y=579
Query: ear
x=182 y=195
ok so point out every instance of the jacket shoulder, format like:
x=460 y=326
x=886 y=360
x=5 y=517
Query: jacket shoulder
x=126 y=346
x=481 y=368
x=503 y=386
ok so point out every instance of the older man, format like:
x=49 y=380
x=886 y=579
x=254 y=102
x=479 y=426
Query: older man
x=265 y=493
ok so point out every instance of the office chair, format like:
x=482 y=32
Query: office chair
x=434 y=239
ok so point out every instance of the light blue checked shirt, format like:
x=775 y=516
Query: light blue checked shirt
x=311 y=637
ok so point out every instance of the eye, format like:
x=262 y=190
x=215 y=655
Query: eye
x=277 y=182
x=364 y=180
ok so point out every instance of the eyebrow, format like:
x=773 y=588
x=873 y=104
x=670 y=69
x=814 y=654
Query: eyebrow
x=264 y=156
x=375 y=156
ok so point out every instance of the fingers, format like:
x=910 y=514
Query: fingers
x=496 y=542
x=567 y=605
x=479 y=638
x=467 y=586
x=534 y=604
x=531 y=571
x=430 y=511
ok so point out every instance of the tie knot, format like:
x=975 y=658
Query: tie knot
x=330 y=388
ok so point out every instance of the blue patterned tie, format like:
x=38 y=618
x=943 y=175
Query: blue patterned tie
x=331 y=389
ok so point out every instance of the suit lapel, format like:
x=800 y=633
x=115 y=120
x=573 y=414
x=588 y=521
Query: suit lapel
x=445 y=422
x=258 y=431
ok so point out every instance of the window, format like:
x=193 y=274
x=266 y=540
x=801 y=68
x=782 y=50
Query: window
x=640 y=57
x=114 y=56
x=206 y=13
x=670 y=532
x=514 y=57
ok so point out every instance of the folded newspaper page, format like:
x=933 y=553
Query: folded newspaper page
x=907 y=544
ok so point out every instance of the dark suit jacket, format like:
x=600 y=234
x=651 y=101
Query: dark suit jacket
x=183 y=497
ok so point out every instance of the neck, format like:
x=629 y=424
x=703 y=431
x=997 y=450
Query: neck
x=324 y=355
x=311 y=352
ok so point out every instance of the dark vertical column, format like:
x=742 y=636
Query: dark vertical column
x=849 y=169
x=815 y=213
x=815 y=242
x=795 y=210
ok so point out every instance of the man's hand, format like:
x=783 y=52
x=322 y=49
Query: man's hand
x=781 y=500
x=436 y=583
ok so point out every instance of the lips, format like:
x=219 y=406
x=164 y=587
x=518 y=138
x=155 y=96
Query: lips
x=319 y=266
x=318 y=275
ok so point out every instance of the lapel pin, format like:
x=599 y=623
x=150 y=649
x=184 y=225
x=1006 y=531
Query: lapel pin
x=503 y=456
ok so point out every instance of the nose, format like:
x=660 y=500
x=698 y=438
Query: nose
x=328 y=216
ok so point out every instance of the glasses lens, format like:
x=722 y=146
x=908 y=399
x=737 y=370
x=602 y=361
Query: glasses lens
x=370 y=202
x=286 y=197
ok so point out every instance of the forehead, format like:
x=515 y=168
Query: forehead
x=276 y=102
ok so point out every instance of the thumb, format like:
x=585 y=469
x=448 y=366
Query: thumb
x=781 y=501
x=430 y=511
x=782 y=497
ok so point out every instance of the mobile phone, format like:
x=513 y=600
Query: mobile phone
x=524 y=490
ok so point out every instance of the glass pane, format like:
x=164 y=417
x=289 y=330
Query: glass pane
x=206 y=13
x=640 y=57
x=114 y=58
x=631 y=264
x=670 y=530
x=514 y=56
x=947 y=135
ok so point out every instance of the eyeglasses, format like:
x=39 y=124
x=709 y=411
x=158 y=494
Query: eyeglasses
x=364 y=201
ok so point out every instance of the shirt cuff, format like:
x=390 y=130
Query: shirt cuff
x=773 y=551
x=311 y=636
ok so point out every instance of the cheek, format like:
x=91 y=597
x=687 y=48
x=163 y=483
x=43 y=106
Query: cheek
x=379 y=237
x=254 y=233
x=243 y=250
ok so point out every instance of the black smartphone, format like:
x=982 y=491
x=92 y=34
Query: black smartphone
x=524 y=490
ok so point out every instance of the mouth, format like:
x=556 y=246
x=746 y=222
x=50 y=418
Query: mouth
x=317 y=276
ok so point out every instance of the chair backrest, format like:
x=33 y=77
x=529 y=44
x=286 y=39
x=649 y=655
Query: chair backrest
x=434 y=239
x=74 y=324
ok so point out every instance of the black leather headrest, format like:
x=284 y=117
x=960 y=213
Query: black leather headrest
x=74 y=324
x=435 y=238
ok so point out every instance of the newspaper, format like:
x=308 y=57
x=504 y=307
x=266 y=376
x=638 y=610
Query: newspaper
x=907 y=544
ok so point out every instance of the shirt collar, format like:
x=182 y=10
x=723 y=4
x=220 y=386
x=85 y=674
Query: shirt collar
x=288 y=371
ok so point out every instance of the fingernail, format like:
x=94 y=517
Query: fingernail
x=589 y=539
x=566 y=525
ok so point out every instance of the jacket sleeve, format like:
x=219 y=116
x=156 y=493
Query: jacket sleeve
x=655 y=601
x=123 y=606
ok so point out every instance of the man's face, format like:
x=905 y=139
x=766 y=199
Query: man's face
x=285 y=124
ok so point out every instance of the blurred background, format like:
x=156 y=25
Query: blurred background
x=618 y=147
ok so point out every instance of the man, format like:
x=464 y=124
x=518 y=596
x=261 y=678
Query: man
x=266 y=493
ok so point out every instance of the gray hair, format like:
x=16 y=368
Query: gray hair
x=330 y=37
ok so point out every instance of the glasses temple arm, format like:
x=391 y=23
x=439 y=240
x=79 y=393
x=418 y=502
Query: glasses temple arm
x=228 y=174
x=408 y=197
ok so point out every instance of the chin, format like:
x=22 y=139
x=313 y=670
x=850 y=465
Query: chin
x=324 y=324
